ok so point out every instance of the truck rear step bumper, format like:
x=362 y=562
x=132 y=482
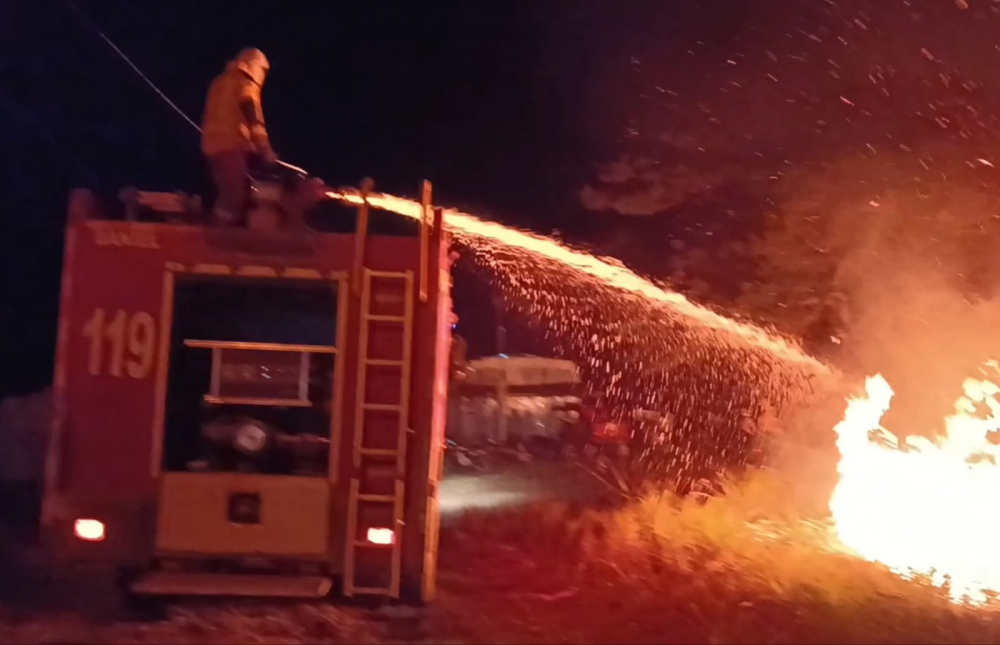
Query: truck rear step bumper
x=175 y=583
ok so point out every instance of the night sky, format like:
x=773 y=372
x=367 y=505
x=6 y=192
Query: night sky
x=508 y=107
x=489 y=100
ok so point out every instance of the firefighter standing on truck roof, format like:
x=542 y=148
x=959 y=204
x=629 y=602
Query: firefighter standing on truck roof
x=233 y=133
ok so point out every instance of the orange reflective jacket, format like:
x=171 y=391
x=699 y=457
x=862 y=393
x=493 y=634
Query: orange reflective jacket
x=233 y=119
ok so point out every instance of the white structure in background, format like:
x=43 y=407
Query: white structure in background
x=24 y=430
x=528 y=371
x=504 y=397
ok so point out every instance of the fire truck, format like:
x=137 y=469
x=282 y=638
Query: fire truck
x=254 y=410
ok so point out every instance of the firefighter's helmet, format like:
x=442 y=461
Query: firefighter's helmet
x=253 y=61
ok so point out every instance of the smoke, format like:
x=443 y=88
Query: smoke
x=923 y=331
x=900 y=261
x=914 y=277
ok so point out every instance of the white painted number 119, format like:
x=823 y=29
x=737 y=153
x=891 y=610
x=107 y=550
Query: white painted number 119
x=130 y=340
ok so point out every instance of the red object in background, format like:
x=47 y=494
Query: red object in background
x=602 y=429
x=610 y=432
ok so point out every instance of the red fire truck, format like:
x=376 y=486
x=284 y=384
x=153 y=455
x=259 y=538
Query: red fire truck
x=251 y=411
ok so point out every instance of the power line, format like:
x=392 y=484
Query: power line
x=134 y=67
x=156 y=89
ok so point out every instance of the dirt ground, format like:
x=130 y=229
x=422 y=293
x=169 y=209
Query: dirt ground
x=504 y=577
x=514 y=485
x=39 y=606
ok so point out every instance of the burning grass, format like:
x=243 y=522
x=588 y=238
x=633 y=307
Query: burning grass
x=746 y=566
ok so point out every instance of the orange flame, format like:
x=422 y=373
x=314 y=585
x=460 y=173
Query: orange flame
x=607 y=270
x=923 y=507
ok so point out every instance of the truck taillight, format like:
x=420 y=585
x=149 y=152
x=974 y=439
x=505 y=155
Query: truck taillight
x=381 y=536
x=89 y=530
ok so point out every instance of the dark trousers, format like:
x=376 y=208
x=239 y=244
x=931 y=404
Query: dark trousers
x=229 y=172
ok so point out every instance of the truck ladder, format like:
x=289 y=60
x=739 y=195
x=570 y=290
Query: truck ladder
x=375 y=505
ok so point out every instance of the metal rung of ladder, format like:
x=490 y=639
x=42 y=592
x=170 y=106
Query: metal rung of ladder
x=373 y=591
x=376 y=498
x=381 y=407
x=379 y=452
x=390 y=571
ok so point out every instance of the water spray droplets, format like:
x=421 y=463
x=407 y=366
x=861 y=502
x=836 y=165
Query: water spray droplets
x=642 y=346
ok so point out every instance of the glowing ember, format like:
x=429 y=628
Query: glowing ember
x=608 y=271
x=922 y=507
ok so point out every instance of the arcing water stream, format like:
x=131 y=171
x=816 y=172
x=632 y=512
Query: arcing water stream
x=609 y=272
x=642 y=345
